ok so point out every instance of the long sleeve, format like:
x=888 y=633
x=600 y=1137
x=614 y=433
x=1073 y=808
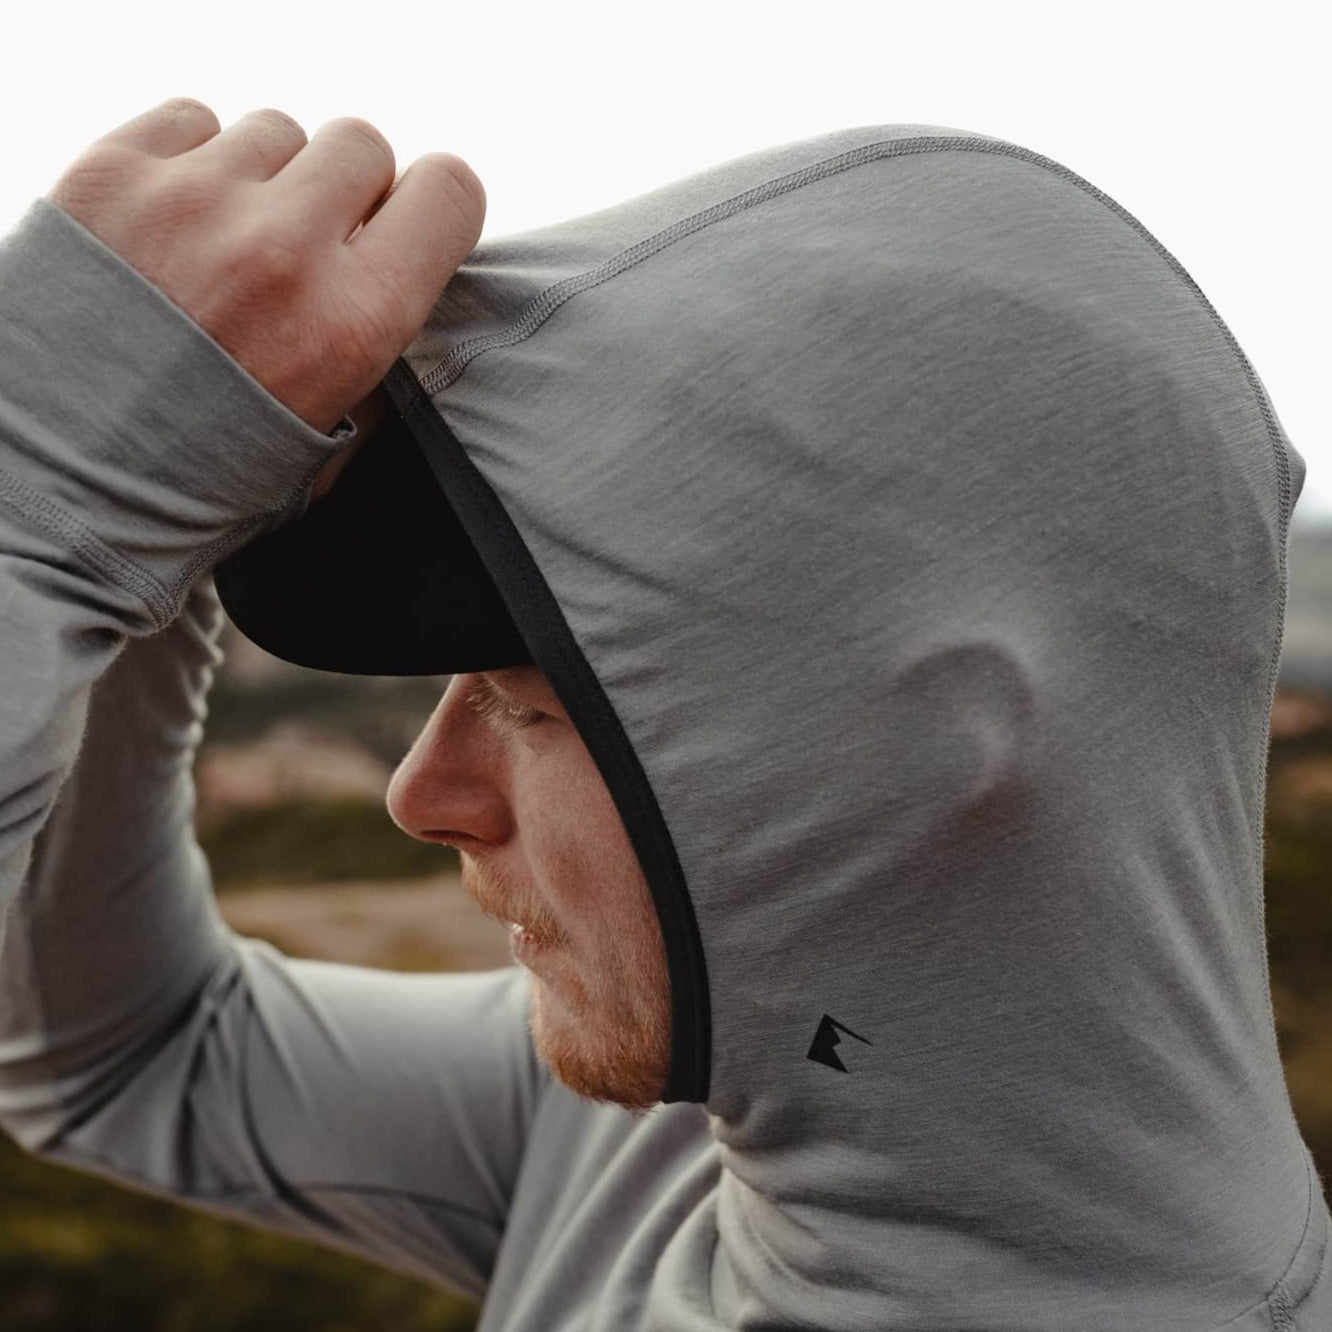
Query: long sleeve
x=138 y=1036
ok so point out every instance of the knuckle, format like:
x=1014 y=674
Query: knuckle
x=190 y=109
x=104 y=171
x=276 y=124
x=109 y=158
x=363 y=135
x=272 y=257
x=180 y=196
x=462 y=180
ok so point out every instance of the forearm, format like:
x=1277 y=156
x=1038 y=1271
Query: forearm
x=112 y=932
x=133 y=455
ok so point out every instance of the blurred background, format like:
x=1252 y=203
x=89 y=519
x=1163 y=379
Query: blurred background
x=1202 y=127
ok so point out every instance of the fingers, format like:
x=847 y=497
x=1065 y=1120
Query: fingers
x=424 y=230
x=256 y=147
x=167 y=130
x=340 y=176
x=302 y=260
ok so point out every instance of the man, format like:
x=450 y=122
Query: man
x=863 y=569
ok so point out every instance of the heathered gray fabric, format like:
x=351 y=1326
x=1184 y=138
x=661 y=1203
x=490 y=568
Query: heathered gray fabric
x=927 y=530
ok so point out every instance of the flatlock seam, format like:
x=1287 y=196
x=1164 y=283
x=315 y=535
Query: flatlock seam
x=341 y=434
x=1317 y=1277
x=1280 y=1308
x=1279 y=1311
x=29 y=504
x=1280 y=1303
x=238 y=537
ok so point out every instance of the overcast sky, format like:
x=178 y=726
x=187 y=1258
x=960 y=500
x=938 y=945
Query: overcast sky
x=1209 y=129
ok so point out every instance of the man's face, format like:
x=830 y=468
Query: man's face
x=500 y=773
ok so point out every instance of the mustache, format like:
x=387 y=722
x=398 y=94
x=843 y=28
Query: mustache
x=503 y=899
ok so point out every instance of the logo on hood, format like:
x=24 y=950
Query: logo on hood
x=822 y=1051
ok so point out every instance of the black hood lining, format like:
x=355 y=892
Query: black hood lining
x=537 y=613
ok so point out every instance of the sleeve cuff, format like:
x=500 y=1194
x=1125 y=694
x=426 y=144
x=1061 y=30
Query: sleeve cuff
x=120 y=418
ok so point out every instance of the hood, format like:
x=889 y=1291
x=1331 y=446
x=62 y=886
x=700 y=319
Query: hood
x=906 y=534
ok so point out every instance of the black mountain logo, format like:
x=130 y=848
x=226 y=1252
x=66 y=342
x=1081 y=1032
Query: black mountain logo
x=822 y=1050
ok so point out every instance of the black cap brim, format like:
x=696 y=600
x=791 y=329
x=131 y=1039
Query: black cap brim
x=376 y=578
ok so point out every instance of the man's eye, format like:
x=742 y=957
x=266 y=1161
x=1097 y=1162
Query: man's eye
x=500 y=710
x=517 y=716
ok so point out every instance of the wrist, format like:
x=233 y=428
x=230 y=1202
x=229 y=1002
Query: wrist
x=124 y=416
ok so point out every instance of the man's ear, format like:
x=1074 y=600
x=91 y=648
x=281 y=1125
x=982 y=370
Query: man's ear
x=366 y=416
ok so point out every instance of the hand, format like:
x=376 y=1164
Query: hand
x=305 y=260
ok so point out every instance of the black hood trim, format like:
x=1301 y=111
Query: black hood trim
x=551 y=642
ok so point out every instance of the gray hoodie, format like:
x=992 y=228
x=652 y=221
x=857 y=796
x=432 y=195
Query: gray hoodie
x=907 y=535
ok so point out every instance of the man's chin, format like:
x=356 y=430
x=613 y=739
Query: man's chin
x=589 y=1067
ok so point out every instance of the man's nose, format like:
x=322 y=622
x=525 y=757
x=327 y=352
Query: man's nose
x=450 y=786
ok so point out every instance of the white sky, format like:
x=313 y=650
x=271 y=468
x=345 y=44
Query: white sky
x=1209 y=127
